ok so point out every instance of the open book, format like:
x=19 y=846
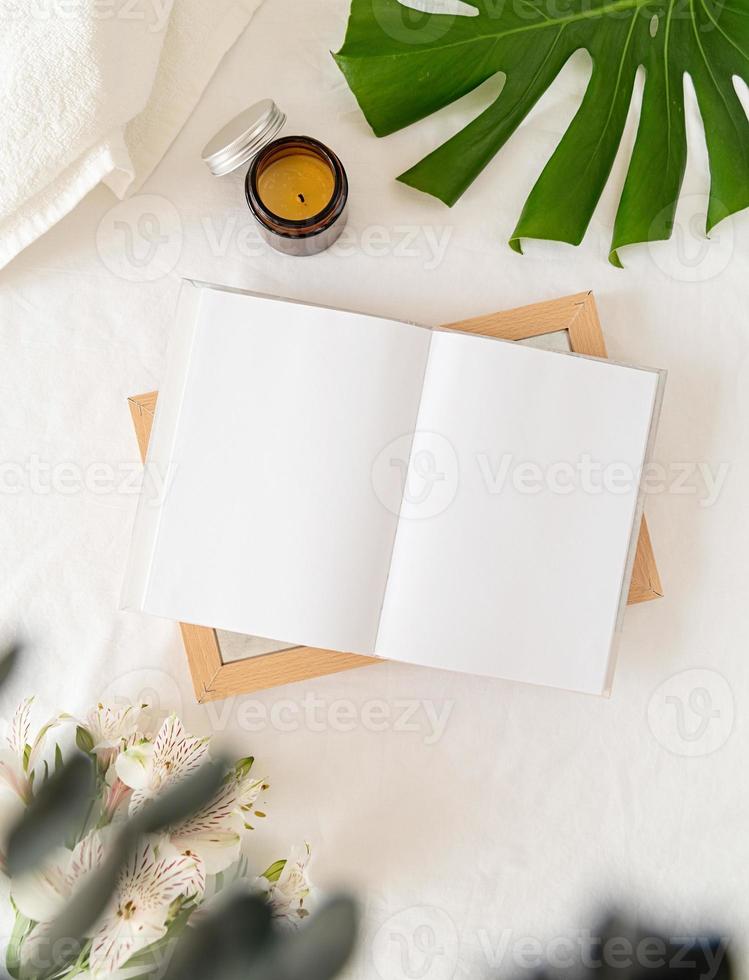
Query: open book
x=353 y=483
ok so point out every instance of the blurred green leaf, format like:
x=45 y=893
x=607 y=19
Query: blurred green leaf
x=9 y=661
x=54 y=813
x=226 y=943
x=184 y=798
x=79 y=915
x=317 y=951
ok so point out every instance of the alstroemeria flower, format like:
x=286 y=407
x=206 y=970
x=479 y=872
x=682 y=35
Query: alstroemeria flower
x=41 y=894
x=111 y=729
x=19 y=758
x=214 y=832
x=139 y=912
x=150 y=767
x=287 y=894
x=13 y=755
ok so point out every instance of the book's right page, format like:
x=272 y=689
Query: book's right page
x=518 y=514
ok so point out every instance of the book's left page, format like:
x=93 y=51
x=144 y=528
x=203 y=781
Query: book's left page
x=258 y=513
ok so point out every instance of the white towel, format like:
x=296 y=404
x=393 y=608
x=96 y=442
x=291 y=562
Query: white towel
x=96 y=90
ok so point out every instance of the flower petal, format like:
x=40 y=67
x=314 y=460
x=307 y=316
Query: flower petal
x=17 y=736
x=42 y=893
x=87 y=855
x=118 y=939
x=216 y=851
x=134 y=765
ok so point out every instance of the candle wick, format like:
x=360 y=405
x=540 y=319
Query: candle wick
x=301 y=197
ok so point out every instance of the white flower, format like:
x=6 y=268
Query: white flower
x=41 y=894
x=287 y=894
x=214 y=832
x=111 y=729
x=19 y=757
x=150 y=767
x=139 y=913
x=14 y=755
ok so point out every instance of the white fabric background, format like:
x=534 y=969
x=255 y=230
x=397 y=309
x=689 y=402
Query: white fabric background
x=533 y=806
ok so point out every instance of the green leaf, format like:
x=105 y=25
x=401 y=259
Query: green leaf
x=55 y=812
x=403 y=66
x=273 y=873
x=84 y=740
x=243 y=766
x=21 y=928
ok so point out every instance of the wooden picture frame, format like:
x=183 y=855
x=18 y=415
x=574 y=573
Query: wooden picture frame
x=214 y=679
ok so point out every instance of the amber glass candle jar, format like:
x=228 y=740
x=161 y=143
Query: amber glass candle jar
x=297 y=190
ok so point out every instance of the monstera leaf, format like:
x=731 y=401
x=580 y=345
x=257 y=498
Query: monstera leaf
x=403 y=64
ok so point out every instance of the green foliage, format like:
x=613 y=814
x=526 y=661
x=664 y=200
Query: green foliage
x=403 y=66
x=83 y=740
x=239 y=941
x=273 y=873
x=57 y=809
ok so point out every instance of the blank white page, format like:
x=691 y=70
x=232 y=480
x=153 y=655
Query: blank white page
x=498 y=570
x=270 y=526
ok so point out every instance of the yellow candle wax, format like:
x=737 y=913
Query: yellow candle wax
x=296 y=186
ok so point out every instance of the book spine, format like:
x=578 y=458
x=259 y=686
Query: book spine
x=159 y=463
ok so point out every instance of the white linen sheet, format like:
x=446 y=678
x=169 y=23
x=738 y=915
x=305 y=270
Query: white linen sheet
x=492 y=817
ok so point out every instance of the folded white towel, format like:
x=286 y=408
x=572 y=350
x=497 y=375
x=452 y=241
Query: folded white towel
x=96 y=90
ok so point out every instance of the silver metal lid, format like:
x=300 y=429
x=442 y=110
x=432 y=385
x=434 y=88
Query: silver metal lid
x=242 y=138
